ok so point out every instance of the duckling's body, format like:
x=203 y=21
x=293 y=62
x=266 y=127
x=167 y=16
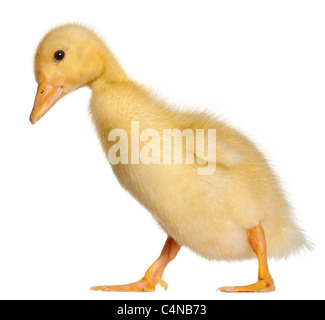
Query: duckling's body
x=228 y=215
x=210 y=214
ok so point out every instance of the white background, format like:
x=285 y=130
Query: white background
x=67 y=225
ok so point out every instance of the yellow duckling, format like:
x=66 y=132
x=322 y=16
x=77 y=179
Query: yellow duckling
x=233 y=211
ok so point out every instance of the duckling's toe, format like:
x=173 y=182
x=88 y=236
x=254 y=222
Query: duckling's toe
x=260 y=286
x=143 y=285
x=139 y=286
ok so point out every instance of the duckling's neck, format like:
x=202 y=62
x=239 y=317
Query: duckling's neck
x=112 y=73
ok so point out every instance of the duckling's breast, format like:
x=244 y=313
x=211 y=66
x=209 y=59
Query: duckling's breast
x=193 y=209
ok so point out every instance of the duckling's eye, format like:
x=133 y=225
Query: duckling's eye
x=58 y=56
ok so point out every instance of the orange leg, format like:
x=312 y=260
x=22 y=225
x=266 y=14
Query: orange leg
x=256 y=239
x=153 y=275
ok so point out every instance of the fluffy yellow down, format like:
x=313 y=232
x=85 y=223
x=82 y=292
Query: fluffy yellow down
x=210 y=214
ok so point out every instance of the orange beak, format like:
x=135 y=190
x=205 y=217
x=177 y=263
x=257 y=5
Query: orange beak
x=46 y=97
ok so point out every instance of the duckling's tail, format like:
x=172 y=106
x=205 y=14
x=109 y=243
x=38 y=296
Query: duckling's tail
x=287 y=240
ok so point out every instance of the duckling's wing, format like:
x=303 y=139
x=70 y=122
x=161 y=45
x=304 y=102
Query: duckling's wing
x=209 y=148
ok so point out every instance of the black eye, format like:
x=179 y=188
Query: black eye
x=59 y=55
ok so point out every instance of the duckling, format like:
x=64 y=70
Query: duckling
x=236 y=211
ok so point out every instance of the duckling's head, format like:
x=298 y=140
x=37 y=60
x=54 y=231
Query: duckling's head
x=67 y=58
